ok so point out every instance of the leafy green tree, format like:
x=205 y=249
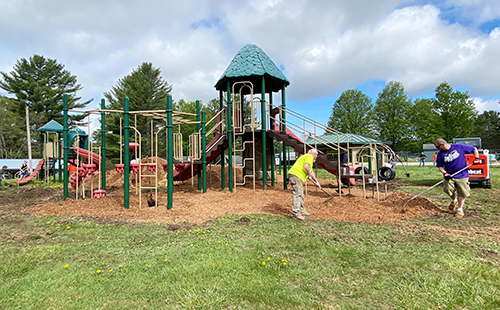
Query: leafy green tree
x=12 y=131
x=391 y=115
x=487 y=127
x=352 y=113
x=39 y=83
x=147 y=91
x=457 y=111
x=426 y=124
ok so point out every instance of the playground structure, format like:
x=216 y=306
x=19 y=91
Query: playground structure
x=250 y=134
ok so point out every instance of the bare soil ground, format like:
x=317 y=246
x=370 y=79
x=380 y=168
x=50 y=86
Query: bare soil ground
x=192 y=206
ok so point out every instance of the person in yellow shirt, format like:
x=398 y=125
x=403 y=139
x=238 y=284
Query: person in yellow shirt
x=298 y=174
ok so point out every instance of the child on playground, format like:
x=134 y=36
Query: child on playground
x=24 y=170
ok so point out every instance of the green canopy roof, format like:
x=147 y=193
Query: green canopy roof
x=54 y=126
x=251 y=64
x=51 y=126
x=354 y=139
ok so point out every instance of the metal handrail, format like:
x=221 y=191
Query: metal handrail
x=313 y=134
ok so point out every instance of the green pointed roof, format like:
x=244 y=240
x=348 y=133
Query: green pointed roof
x=250 y=64
x=51 y=126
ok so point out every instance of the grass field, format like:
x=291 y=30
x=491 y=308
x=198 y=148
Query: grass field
x=258 y=261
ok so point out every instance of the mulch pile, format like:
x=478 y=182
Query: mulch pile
x=192 y=206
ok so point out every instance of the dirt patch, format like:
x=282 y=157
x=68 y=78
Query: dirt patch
x=192 y=206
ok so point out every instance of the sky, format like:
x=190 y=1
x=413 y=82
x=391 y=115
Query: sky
x=323 y=47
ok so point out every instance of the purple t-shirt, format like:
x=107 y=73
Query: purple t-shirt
x=454 y=159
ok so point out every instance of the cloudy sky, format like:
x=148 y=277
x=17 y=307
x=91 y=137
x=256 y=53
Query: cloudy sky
x=322 y=46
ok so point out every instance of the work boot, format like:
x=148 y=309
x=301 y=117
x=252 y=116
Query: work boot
x=452 y=205
x=299 y=217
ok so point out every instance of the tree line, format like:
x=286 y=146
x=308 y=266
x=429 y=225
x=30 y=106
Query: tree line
x=36 y=86
x=408 y=124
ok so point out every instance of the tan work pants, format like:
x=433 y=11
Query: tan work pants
x=298 y=195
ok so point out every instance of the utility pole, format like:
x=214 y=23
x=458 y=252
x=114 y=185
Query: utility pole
x=28 y=137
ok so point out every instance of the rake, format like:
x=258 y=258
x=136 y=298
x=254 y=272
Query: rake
x=438 y=183
x=331 y=196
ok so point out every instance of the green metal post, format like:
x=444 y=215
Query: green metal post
x=198 y=130
x=370 y=161
x=283 y=129
x=170 y=153
x=222 y=157
x=126 y=152
x=264 y=144
x=279 y=161
x=59 y=152
x=65 y=146
x=230 y=137
x=103 y=145
x=273 y=166
x=204 y=151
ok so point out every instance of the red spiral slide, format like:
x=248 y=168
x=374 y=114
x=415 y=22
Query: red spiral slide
x=33 y=174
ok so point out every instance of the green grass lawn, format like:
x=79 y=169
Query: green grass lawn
x=261 y=262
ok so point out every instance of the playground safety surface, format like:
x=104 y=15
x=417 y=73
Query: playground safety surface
x=192 y=206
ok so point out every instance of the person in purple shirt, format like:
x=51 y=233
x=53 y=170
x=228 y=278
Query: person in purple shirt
x=452 y=164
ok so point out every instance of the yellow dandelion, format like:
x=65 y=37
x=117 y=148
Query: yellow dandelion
x=65 y=266
x=110 y=270
x=120 y=266
x=236 y=229
x=198 y=230
x=218 y=241
x=269 y=258
x=48 y=222
x=263 y=263
x=284 y=263
x=191 y=244
x=57 y=227
x=98 y=270
x=336 y=249
x=203 y=232
x=165 y=260
x=67 y=227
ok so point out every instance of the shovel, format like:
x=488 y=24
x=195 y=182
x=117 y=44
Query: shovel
x=407 y=174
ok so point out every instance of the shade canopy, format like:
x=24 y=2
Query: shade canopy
x=53 y=126
x=251 y=64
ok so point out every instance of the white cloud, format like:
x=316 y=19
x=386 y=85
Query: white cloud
x=486 y=104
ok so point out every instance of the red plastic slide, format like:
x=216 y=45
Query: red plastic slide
x=33 y=174
x=96 y=159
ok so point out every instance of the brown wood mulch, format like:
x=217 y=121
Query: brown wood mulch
x=192 y=206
